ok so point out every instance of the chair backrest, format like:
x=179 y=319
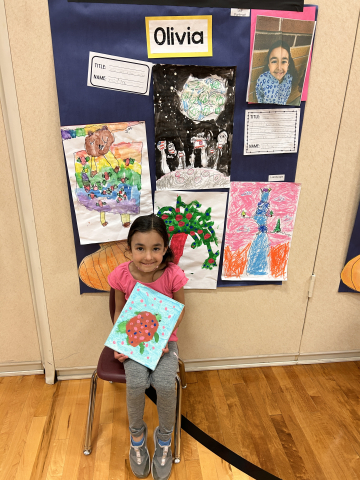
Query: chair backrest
x=112 y=304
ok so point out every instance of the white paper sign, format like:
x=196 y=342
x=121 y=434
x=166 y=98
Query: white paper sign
x=276 y=178
x=118 y=73
x=271 y=131
x=179 y=36
x=240 y=12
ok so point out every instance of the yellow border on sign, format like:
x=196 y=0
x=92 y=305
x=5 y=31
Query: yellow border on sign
x=205 y=53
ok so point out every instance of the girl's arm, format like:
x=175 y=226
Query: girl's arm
x=119 y=305
x=179 y=296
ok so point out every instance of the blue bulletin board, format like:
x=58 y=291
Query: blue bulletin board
x=119 y=30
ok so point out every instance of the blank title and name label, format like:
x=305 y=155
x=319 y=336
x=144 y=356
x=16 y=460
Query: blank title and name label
x=271 y=131
x=118 y=73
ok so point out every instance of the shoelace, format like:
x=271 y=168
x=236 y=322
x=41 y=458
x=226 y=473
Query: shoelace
x=138 y=456
x=164 y=455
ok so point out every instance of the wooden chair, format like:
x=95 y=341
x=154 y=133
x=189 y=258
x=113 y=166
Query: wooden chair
x=111 y=370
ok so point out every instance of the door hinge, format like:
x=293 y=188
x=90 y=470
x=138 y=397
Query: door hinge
x=311 y=287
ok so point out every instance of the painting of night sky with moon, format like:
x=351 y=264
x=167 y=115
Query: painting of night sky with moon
x=194 y=112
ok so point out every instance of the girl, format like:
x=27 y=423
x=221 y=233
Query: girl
x=274 y=86
x=152 y=266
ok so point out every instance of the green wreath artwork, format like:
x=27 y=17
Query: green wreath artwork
x=187 y=219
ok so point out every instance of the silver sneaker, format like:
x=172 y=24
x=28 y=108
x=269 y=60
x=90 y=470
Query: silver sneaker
x=139 y=458
x=162 y=460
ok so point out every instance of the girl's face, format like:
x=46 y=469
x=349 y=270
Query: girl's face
x=278 y=63
x=147 y=250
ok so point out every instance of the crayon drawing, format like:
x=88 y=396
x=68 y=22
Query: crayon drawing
x=109 y=177
x=260 y=223
x=194 y=111
x=195 y=222
x=144 y=325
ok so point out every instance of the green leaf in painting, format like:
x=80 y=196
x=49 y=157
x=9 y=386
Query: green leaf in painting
x=156 y=337
x=121 y=328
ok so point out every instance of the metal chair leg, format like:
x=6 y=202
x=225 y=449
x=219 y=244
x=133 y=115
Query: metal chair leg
x=90 y=417
x=182 y=373
x=177 y=433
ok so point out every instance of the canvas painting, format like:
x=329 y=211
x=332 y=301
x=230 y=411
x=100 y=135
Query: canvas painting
x=109 y=177
x=259 y=228
x=195 y=225
x=144 y=325
x=194 y=111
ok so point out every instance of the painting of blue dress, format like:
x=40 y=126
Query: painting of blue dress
x=144 y=325
x=259 y=250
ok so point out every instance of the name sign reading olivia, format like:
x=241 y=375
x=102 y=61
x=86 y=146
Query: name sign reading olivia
x=179 y=36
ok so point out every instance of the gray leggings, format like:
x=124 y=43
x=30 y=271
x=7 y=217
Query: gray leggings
x=138 y=379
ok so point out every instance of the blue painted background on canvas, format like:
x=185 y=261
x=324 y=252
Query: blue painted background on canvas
x=144 y=325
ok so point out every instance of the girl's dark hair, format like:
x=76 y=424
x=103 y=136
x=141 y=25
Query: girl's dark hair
x=146 y=223
x=291 y=69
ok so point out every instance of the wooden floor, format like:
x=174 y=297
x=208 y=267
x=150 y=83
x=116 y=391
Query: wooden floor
x=297 y=422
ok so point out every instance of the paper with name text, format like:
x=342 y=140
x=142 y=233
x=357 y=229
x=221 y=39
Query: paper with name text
x=271 y=131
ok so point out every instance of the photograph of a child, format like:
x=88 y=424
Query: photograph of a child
x=279 y=60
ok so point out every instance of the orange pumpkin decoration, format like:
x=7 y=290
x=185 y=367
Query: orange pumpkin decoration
x=95 y=268
x=350 y=274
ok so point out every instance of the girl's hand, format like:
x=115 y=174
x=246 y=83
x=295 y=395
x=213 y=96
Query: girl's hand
x=120 y=356
x=165 y=350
